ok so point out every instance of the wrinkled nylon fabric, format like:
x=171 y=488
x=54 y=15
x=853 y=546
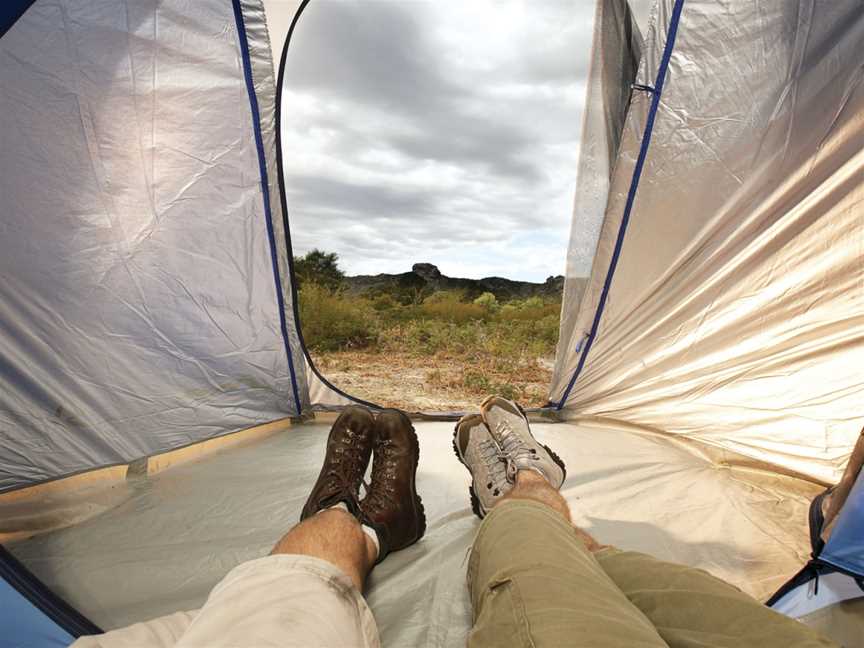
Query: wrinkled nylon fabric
x=264 y=77
x=736 y=312
x=615 y=53
x=169 y=539
x=321 y=393
x=138 y=309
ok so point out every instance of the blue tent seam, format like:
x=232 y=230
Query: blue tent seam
x=262 y=164
x=656 y=92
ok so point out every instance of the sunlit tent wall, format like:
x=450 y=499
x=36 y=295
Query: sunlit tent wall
x=707 y=386
x=140 y=307
x=725 y=303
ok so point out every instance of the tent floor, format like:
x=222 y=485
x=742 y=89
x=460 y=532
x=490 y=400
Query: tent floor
x=165 y=541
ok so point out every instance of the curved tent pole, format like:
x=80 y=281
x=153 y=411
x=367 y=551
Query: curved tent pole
x=10 y=12
x=282 y=196
x=656 y=92
x=67 y=618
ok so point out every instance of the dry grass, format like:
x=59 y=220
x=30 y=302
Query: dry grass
x=444 y=353
x=401 y=380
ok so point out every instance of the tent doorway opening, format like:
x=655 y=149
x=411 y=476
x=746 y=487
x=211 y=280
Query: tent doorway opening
x=429 y=167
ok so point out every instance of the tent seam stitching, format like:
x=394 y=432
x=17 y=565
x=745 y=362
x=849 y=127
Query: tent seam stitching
x=265 y=189
x=657 y=91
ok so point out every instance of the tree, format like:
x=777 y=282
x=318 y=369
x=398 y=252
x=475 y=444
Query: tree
x=321 y=268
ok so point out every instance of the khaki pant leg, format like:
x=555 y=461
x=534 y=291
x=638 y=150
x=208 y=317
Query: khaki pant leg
x=283 y=601
x=533 y=583
x=693 y=609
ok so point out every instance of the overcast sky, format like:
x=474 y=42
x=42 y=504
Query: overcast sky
x=441 y=132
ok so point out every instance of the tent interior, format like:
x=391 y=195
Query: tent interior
x=161 y=420
x=151 y=545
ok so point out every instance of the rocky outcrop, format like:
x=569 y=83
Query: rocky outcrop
x=426 y=278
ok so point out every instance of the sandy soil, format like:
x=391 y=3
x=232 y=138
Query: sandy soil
x=420 y=383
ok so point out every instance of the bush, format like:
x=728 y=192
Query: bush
x=533 y=308
x=333 y=322
x=487 y=300
x=384 y=302
x=450 y=305
x=443 y=325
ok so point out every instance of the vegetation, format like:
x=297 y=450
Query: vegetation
x=321 y=268
x=463 y=346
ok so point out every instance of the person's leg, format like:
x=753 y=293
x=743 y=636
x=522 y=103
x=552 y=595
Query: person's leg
x=693 y=609
x=336 y=536
x=688 y=607
x=532 y=579
x=308 y=591
x=533 y=486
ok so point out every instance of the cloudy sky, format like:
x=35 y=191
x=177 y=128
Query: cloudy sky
x=443 y=132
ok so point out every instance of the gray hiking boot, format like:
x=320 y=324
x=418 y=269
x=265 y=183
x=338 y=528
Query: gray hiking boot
x=508 y=426
x=479 y=453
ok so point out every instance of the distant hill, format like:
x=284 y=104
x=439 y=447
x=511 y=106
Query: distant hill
x=426 y=278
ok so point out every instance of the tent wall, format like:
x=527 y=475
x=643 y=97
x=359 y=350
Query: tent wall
x=735 y=310
x=139 y=307
x=616 y=50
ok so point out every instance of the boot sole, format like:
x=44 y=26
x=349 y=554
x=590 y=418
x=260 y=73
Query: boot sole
x=418 y=501
x=475 y=501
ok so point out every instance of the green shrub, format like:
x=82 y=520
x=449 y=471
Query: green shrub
x=450 y=305
x=443 y=324
x=487 y=300
x=384 y=302
x=333 y=322
x=533 y=308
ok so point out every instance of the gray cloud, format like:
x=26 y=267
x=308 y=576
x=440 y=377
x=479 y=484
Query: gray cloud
x=330 y=195
x=413 y=132
x=376 y=53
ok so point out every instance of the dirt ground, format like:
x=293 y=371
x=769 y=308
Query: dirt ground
x=423 y=383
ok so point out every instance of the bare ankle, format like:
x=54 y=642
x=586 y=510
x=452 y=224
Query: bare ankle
x=531 y=478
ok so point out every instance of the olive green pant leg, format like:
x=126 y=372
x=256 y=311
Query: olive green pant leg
x=690 y=608
x=533 y=583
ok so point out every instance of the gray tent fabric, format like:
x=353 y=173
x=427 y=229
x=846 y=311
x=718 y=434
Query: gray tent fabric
x=139 y=308
x=735 y=313
x=616 y=51
x=263 y=75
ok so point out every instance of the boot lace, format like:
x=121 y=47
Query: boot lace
x=496 y=465
x=347 y=466
x=513 y=449
x=382 y=494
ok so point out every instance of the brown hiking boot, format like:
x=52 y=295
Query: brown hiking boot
x=392 y=507
x=348 y=449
